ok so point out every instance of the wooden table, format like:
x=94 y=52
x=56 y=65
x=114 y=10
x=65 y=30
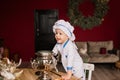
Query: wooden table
x=29 y=74
x=117 y=64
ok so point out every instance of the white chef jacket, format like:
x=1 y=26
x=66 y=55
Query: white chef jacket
x=70 y=58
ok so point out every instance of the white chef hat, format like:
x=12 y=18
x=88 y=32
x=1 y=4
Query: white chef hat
x=66 y=27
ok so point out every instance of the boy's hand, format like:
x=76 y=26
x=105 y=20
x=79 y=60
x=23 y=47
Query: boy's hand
x=66 y=77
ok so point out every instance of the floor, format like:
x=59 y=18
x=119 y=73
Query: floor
x=106 y=72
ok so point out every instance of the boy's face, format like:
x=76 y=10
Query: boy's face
x=60 y=36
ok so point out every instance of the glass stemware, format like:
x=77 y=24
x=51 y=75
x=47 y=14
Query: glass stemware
x=42 y=73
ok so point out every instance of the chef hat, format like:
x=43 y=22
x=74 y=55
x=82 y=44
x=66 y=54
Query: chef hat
x=66 y=27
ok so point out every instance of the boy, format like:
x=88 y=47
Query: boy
x=71 y=61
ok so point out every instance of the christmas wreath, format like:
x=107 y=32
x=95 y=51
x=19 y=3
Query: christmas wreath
x=78 y=19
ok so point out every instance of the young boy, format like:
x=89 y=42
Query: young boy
x=71 y=61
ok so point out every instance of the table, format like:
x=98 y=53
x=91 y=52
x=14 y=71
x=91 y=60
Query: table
x=29 y=74
x=117 y=64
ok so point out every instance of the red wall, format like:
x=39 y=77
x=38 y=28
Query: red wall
x=17 y=24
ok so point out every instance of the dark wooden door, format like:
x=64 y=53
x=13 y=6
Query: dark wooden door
x=44 y=36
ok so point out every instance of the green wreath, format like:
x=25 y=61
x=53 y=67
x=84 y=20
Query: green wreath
x=78 y=19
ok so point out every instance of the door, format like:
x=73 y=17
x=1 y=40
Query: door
x=44 y=36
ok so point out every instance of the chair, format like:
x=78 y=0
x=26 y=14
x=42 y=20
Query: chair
x=88 y=70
